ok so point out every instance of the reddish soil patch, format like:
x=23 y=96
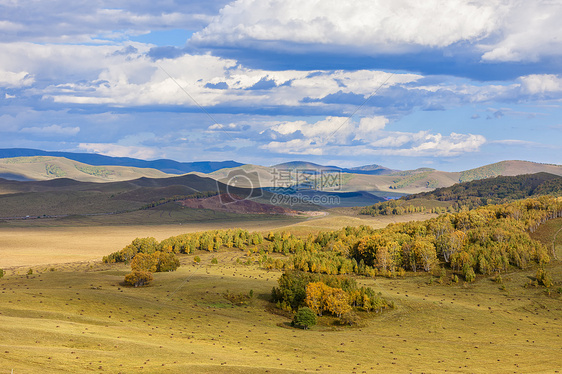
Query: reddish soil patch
x=233 y=204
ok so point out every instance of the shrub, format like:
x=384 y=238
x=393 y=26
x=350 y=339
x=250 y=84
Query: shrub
x=214 y=261
x=1 y=273
x=304 y=318
x=543 y=278
x=470 y=275
x=155 y=262
x=138 y=278
x=350 y=318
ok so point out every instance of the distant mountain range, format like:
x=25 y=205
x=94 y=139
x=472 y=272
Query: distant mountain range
x=303 y=165
x=32 y=164
x=164 y=165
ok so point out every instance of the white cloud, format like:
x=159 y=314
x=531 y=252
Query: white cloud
x=497 y=30
x=99 y=75
x=51 y=130
x=117 y=150
x=15 y=79
x=329 y=130
x=89 y=21
x=328 y=136
x=368 y=126
x=385 y=25
x=527 y=31
x=229 y=127
x=541 y=83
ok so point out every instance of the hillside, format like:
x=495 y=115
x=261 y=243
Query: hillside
x=473 y=194
x=49 y=167
x=60 y=198
x=164 y=165
x=508 y=168
x=374 y=179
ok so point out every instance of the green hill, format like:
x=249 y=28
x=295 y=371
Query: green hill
x=164 y=165
x=473 y=194
x=48 y=167
x=508 y=168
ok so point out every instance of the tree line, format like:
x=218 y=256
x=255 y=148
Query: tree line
x=470 y=195
x=486 y=240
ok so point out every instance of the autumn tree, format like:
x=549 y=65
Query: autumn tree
x=138 y=278
x=337 y=302
x=316 y=295
x=166 y=261
x=144 y=262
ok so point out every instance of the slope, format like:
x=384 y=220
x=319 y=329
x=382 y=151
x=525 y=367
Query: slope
x=48 y=167
x=469 y=195
x=164 y=165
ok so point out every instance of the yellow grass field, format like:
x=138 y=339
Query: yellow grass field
x=74 y=315
x=80 y=319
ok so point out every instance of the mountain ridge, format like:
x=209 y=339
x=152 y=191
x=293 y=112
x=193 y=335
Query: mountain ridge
x=164 y=165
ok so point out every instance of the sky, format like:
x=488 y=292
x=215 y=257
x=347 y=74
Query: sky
x=446 y=84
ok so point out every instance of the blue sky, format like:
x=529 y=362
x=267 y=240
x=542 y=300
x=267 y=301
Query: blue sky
x=445 y=84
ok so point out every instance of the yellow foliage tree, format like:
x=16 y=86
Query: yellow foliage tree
x=337 y=302
x=144 y=262
x=316 y=293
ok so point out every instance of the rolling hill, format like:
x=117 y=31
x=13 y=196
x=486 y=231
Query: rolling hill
x=385 y=184
x=374 y=179
x=366 y=169
x=164 y=165
x=470 y=195
x=49 y=167
x=64 y=197
x=508 y=168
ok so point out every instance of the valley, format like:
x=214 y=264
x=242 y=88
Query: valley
x=64 y=310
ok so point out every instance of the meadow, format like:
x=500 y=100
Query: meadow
x=79 y=317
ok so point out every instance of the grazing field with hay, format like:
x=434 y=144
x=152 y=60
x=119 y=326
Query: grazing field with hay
x=63 y=310
x=80 y=318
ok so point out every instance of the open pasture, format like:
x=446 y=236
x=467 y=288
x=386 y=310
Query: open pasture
x=84 y=320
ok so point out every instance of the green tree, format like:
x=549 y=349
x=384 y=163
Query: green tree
x=305 y=318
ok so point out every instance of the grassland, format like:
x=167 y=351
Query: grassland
x=73 y=315
x=79 y=318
